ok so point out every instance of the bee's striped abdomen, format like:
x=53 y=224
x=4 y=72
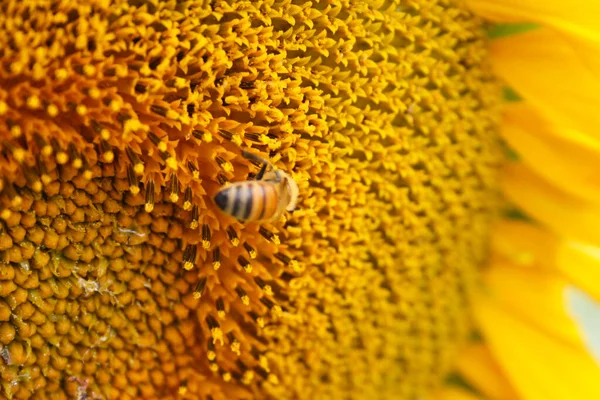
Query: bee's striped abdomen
x=249 y=201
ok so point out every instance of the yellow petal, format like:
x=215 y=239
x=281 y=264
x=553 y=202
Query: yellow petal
x=540 y=367
x=477 y=364
x=579 y=13
x=571 y=164
x=454 y=393
x=533 y=295
x=526 y=244
x=543 y=68
x=578 y=20
x=562 y=213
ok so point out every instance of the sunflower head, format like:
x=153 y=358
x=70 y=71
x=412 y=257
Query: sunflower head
x=121 y=120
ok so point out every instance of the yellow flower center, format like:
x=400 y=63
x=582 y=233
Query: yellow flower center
x=120 y=120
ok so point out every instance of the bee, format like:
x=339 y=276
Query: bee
x=264 y=199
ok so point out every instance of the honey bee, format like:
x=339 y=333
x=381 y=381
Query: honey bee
x=263 y=199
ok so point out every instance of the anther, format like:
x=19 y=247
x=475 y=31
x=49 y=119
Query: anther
x=251 y=252
x=162 y=111
x=61 y=156
x=216 y=258
x=161 y=145
x=225 y=134
x=15 y=130
x=222 y=179
x=134 y=185
x=195 y=216
x=138 y=166
x=260 y=321
x=46 y=179
x=225 y=165
x=189 y=256
x=206 y=236
x=174 y=189
x=149 y=197
x=200 y=288
x=211 y=354
x=187 y=199
x=215 y=329
x=194 y=171
x=243 y=295
x=263 y=285
x=87 y=169
x=220 y=308
x=267 y=302
x=233 y=237
x=269 y=235
x=235 y=344
x=197 y=134
x=43 y=146
x=283 y=258
x=74 y=156
x=107 y=153
x=245 y=264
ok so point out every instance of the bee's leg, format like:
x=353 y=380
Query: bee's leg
x=262 y=171
x=253 y=157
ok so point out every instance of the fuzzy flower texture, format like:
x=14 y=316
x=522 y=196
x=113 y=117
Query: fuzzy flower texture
x=121 y=119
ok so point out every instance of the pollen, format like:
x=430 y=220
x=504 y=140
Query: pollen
x=120 y=270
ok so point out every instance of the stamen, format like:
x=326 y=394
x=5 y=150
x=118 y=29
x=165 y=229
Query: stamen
x=215 y=329
x=216 y=258
x=283 y=258
x=77 y=163
x=205 y=236
x=222 y=179
x=61 y=156
x=174 y=189
x=245 y=264
x=149 y=197
x=193 y=170
x=226 y=134
x=243 y=296
x=134 y=185
x=200 y=288
x=211 y=354
x=187 y=199
x=189 y=256
x=158 y=142
x=224 y=164
x=197 y=134
x=138 y=166
x=233 y=237
x=160 y=110
x=260 y=321
x=251 y=252
x=220 y=308
x=107 y=153
x=194 y=222
x=43 y=146
x=269 y=235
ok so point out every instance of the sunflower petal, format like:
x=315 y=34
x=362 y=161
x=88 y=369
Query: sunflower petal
x=582 y=13
x=540 y=367
x=579 y=20
x=454 y=393
x=563 y=214
x=571 y=164
x=477 y=364
x=529 y=245
x=549 y=73
x=587 y=313
x=540 y=299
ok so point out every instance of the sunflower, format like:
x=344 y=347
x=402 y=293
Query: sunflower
x=120 y=278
